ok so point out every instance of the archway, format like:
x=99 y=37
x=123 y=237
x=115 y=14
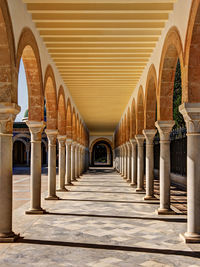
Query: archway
x=19 y=153
x=102 y=154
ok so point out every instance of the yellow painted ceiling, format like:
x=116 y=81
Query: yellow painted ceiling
x=100 y=48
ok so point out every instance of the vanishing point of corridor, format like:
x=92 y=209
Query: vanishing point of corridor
x=99 y=222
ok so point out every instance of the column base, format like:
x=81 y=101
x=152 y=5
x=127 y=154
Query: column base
x=69 y=184
x=124 y=177
x=133 y=184
x=52 y=198
x=9 y=238
x=140 y=190
x=62 y=190
x=190 y=238
x=150 y=198
x=35 y=211
x=160 y=211
x=75 y=180
x=128 y=181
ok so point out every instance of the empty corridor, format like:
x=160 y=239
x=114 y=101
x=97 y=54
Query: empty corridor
x=100 y=222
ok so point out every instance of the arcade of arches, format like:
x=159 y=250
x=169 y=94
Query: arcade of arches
x=119 y=82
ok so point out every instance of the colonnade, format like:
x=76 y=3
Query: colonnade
x=131 y=166
x=71 y=157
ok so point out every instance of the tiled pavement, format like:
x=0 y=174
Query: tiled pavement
x=101 y=222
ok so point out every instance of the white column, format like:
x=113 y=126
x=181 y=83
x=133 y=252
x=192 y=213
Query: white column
x=79 y=160
x=8 y=111
x=36 y=129
x=73 y=178
x=122 y=174
x=76 y=161
x=191 y=114
x=128 y=147
x=133 y=163
x=62 y=163
x=140 y=163
x=164 y=128
x=149 y=135
x=68 y=162
x=51 y=135
x=125 y=162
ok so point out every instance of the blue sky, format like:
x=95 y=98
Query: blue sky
x=22 y=92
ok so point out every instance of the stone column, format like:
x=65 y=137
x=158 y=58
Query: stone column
x=133 y=163
x=191 y=114
x=122 y=174
x=164 y=128
x=128 y=147
x=140 y=163
x=68 y=162
x=125 y=162
x=8 y=112
x=62 y=163
x=73 y=178
x=51 y=135
x=36 y=129
x=79 y=160
x=76 y=161
x=149 y=135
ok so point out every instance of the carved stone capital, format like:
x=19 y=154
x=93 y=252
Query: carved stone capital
x=52 y=136
x=191 y=114
x=36 y=129
x=68 y=141
x=8 y=112
x=140 y=139
x=164 y=128
x=149 y=135
x=61 y=140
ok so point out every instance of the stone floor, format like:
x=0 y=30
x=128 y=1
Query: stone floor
x=101 y=222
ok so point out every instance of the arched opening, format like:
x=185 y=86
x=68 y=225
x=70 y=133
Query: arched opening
x=102 y=154
x=61 y=112
x=28 y=52
x=19 y=153
x=50 y=99
x=69 y=120
x=74 y=125
x=140 y=112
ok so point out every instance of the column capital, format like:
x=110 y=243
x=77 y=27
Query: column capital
x=164 y=128
x=149 y=135
x=68 y=141
x=61 y=139
x=36 y=129
x=132 y=141
x=51 y=135
x=191 y=114
x=8 y=112
x=140 y=139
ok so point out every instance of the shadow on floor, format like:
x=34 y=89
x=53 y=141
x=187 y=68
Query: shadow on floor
x=178 y=220
x=107 y=192
x=111 y=201
x=193 y=254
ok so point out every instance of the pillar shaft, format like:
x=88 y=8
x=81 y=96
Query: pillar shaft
x=164 y=128
x=191 y=114
x=76 y=161
x=73 y=161
x=128 y=147
x=125 y=162
x=149 y=135
x=133 y=162
x=62 y=162
x=140 y=162
x=68 y=162
x=35 y=129
x=8 y=112
x=51 y=135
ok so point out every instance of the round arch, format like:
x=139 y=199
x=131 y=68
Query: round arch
x=28 y=51
x=140 y=111
x=171 y=52
x=150 y=99
x=191 y=92
x=133 y=120
x=61 y=112
x=74 y=125
x=69 y=120
x=97 y=144
x=51 y=98
x=7 y=54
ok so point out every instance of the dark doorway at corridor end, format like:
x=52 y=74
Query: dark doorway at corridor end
x=102 y=155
